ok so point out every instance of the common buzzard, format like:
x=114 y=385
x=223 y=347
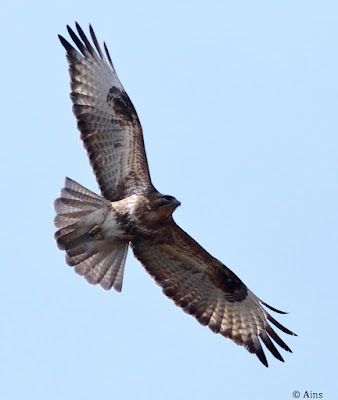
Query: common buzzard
x=96 y=231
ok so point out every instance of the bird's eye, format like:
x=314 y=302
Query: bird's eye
x=167 y=198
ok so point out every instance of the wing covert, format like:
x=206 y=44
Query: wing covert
x=110 y=129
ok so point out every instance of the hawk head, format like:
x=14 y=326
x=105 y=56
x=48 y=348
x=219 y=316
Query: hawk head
x=162 y=206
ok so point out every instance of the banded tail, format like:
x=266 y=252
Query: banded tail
x=98 y=261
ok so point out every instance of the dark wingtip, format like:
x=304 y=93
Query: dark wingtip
x=65 y=43
x=262 y=358
x=96 y=43
x=254 y=347
x=268 y=343
x=79 y=29
x=108 y=56
x=277 y=339
x=70 y=30
x=62 y=39
x=83 y=36
x=76 y=40
x=280 y=326
x=273 y=308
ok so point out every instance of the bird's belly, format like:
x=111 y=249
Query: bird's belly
x=111 y=229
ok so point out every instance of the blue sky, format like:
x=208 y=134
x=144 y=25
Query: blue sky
x=238 y=102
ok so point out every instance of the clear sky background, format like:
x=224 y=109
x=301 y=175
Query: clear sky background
x=238 y=102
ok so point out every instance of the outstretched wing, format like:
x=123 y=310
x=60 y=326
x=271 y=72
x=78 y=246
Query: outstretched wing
x=110 y=129
x=208 y=290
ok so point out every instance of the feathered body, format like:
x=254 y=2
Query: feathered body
x=96 y=231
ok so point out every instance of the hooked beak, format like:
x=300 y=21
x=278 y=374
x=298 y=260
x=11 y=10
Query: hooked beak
x=178 y=203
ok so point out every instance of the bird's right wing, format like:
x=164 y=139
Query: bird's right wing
x=208 y=290
x=110 y=129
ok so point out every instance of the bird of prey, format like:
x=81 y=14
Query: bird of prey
x=96 y=231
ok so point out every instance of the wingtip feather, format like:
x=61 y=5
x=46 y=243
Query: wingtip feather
x=273 y=308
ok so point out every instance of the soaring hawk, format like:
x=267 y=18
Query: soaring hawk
x=96 y=231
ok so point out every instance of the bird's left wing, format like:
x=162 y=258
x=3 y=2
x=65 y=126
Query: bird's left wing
x=208 y=290
x=110 y=129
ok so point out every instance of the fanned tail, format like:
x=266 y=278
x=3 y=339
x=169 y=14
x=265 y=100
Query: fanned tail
x=98 y=261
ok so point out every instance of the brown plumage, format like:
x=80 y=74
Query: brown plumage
x=96 y=231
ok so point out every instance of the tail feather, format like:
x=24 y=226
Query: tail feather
x=69 y=207
x=77 y=254
x=105 y=268
x=114 y=276
x=98 y=261
x=67 y=219
x=70 y=237
x=74 y=203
